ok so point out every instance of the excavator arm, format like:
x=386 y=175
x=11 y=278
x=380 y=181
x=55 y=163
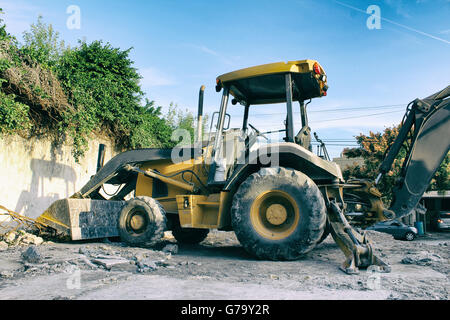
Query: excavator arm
x=426 y=129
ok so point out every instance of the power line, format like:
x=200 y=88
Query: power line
x=361 y=109
x=346 y=118
x=337 y=145
x=332 y=110
x=362 y=116
x=337 y=140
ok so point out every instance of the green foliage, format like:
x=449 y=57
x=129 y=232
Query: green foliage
x=373 y=148
x=103 y=85
x=178 y=119
x=152 y=130
x=441 y=180
x=101 y=80
x=13 y=115
x=3 y=34
x=4 y=65
x=184 y=120
x=81 y=91
x=42 y=45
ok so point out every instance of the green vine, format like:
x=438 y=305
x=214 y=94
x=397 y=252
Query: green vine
x=82 y=91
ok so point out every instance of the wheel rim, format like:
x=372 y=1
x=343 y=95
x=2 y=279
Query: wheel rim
x=137 y=221
x=409 y=236
x=275 y=215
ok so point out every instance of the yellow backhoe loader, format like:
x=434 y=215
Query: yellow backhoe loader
x=279 y=198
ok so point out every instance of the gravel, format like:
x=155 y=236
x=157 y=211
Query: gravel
x=420 y=270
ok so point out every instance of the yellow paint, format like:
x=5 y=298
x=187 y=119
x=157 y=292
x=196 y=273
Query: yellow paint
x=300 y=66
x=204 y=212
x=48 y=217
x=275 y=215
x=170 y=181
x=144 y=184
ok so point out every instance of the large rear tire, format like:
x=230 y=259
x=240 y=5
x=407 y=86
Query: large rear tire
x=278 y=214
x=142 y=222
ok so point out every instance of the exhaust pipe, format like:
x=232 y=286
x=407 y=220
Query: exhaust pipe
x=200 y=115
x=101 y=156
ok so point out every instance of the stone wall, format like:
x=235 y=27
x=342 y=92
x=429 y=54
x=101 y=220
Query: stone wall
x=35 y=172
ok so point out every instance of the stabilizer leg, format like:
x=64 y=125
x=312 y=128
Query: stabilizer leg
x=355 y=246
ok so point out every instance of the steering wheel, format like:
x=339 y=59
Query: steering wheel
x=258 y=133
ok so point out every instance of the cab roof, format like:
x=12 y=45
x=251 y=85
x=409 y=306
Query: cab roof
x=265 y=84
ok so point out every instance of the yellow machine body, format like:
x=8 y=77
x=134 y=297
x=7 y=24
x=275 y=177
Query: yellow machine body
x=195 y=211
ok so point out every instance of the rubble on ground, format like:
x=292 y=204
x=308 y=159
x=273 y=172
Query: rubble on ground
x=170 y=248
x=422 y=258
x=146 y=265
x=34 y=260
x=19 y=238
x=3 y=246
x=32 y=255
x=421 y=264
x=114 y=262
x=6 y=274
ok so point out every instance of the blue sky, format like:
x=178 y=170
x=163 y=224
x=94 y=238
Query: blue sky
x=180 y=45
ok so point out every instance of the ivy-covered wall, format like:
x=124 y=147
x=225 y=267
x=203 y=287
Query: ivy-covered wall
x=57 y=104
x=49 y=89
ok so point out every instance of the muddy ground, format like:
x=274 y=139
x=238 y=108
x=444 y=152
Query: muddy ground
x=219 y=268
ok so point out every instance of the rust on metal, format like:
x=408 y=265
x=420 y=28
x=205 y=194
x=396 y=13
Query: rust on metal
x=19 y=221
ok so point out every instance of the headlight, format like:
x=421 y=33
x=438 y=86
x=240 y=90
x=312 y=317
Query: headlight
x=414 y=229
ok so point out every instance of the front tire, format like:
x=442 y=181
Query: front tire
x=142 y=222
x=278 y=214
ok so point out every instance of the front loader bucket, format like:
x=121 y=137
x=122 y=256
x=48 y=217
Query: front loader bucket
x=82 y=219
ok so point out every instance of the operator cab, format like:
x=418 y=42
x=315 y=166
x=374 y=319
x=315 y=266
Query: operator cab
x=262 y=85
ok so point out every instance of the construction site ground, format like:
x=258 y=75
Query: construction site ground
x=219 y=268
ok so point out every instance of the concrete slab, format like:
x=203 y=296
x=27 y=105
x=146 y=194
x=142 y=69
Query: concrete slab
x=10 y=265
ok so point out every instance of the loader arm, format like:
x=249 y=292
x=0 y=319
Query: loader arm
x=427 y=127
